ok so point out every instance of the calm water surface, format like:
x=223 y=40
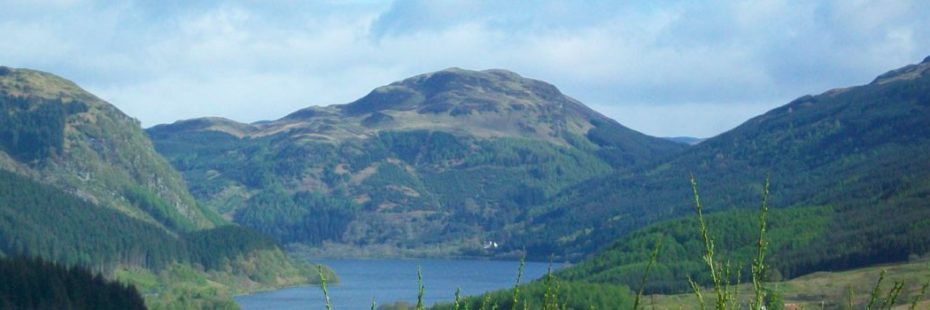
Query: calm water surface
x=387 y=281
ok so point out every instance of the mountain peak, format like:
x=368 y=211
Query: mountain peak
x=456 y=91
x=908 y=72
x=25 y=82
x=218 y=124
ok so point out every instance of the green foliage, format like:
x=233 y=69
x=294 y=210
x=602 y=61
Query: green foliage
x=33 y=128
x=307 y=218
x=923 y=292
x=642 y=285
x=860 y=148
x=393 y=153
x=775 y=300
x=719 y=274
x=758 y=263
x=319 y=269
x=735 y=240
x=571 y=295
x=38 y=220
x=179 y=286
x=516 y=285
x=38 y=284
x=60 y=134
x=481 y=183
x=622 y=149
x=157 y=208
x=94 y=193
x=214 y=248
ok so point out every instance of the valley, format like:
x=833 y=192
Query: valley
x=467 y=164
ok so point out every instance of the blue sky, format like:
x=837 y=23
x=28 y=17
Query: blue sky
x=666 y=68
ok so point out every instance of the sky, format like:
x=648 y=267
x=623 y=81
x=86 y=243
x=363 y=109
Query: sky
x=666 y=68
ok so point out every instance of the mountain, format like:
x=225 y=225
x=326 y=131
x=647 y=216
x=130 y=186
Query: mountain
x=432 y=164
x=55 y=132
x=860 y=150
x=81 y=184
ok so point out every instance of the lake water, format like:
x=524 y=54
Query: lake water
x=388 y=281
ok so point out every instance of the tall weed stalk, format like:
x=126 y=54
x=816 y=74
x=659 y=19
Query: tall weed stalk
x=758 y=264
x=727 y=294
x=329 y=306
x=923 y=292
x=716 y=274
x=420 y=290
x=652 y=262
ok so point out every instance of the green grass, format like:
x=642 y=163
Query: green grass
x=832 y=288
x=906 y=287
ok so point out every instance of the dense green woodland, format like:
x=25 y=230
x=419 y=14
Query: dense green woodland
x=31 y=130
x=860 y=149
x=38 y=220
x=38 y=284
x=801 y=241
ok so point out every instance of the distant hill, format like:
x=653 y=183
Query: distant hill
x=438 y=161
x=685 y=140
x=862 y=148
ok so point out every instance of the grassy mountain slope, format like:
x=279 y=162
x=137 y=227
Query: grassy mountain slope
x=55 y=132
x=38 y=220
x=828 y=289
x=80 y=184
x=858 y=147
x=438 y=161
x=831 y=289
x=801 y=241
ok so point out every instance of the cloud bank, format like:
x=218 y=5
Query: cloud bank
x=666 y=68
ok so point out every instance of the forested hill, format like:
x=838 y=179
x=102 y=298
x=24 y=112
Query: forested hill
x=438 y=162
x=54 y=131
x=860 y=147
x=37 y=284
x=81 y=184
x=38 y=220
x=801 y=240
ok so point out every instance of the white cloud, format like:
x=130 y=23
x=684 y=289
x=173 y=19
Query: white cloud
x=678 y=67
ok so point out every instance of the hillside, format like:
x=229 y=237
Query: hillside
x=828 y=289
x=55 y=132
x=431 y=165
x=80 y=184
x=801 y=241
x=831 y=289
x=36 y=284
x=863 y=147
